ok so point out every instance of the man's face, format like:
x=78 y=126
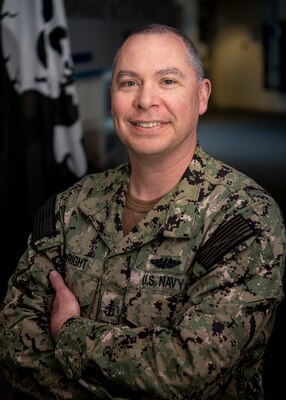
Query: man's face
x=156 y=97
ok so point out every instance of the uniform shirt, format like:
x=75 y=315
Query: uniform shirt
x=179 y=308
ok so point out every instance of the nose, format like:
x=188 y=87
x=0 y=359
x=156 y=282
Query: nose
x=146 y=97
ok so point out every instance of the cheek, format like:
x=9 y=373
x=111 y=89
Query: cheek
x=119 y=105
x=118 y=111
x=187 y=109
x=186 y=102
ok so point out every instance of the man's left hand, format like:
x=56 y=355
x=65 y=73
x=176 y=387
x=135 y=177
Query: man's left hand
x=65 y=304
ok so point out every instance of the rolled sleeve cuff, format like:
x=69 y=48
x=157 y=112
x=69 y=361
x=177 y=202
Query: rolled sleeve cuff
x=70 y=347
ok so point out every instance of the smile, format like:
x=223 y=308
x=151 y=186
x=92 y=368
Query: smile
x=148 y=124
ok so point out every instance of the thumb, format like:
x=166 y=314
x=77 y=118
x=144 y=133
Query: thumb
x=57 y=281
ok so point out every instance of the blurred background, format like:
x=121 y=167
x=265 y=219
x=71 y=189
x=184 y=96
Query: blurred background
x=52 y=135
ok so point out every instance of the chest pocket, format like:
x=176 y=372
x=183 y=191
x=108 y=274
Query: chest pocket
x=82 y=276
x=156 y=299
x=157 y=290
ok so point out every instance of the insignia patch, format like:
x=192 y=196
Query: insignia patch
x=45 y=220
x=111 y=307
x=225 y=237
x=165 y=262
x=161 y=282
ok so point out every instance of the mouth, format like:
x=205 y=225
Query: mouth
x=150 y=124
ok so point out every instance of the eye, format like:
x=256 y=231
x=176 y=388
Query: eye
x=128 y=83
x=168 y=82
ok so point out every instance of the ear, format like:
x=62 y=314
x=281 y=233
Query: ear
x=205 y=91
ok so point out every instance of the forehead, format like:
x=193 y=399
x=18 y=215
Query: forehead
x=153 y=51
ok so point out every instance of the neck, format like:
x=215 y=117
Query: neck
x=153 y=177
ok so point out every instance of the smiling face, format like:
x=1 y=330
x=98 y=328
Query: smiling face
x=156 y=97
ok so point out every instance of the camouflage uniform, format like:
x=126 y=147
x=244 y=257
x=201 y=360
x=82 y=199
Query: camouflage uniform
x=180 y=308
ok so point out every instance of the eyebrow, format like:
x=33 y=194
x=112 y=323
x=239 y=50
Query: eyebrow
x=127 y=72
x=171 y=71
x=164 y=71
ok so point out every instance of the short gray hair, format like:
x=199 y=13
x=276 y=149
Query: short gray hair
x=192 y=51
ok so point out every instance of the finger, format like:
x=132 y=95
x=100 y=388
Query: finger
x=57 y=281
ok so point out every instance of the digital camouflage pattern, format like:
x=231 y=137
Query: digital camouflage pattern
x=180 y=308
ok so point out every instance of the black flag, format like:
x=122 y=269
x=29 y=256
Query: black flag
x=41 y=150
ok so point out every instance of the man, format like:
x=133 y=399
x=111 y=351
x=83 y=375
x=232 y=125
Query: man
x=159 y=279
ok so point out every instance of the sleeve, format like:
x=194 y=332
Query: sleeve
x=27 y=349
x=224 y=326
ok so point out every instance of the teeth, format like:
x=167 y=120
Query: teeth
x=148 y=124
